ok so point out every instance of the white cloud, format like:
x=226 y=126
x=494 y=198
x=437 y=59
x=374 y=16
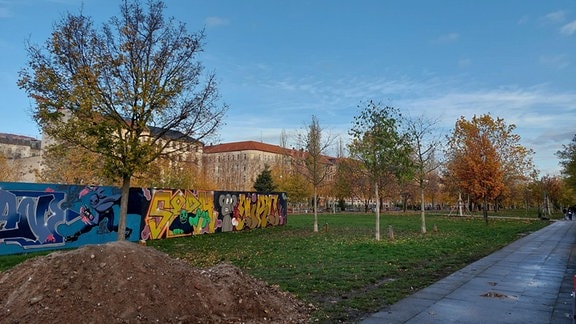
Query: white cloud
x=448 y=38
x=555 y=17
x=216 y=21
x=569 y=28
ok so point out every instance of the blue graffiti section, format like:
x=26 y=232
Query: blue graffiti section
x=31 y=218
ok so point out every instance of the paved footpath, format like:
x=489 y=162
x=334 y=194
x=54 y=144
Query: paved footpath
x=528 y=281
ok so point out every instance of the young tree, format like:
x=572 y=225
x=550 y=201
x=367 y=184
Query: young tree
x=380 y=147
x=314 y=164
x=567 y=158
x=425 y=162
x=102 y=89
x=264 y=182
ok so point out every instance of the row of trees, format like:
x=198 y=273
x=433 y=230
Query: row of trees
x=401 y=158
x=99 y=90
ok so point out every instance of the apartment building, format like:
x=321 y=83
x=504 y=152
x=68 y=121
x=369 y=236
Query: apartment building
x=23 y=153
x=229 y=166
x=235 y=166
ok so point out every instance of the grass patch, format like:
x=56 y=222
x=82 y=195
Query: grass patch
x=8 y=261
x=342 y=269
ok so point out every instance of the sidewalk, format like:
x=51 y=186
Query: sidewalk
x=528 y=281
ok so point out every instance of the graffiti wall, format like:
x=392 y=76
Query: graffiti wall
x=174 y=212
x=35 y=217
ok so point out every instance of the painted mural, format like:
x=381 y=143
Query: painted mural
x=175 y=212
x=35 y=217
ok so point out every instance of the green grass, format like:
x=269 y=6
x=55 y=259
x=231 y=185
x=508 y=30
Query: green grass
x=8 y=261
x=342 y=270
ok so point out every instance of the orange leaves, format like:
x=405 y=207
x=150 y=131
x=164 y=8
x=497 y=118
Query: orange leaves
x=477 y=150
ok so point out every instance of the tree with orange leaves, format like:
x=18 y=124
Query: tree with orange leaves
x=479 y=157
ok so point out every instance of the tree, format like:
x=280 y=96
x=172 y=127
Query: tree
x=485 y=157
x=296 y=187
x=8 y=171
x=343 y=184
x=314 y=164
x=425 y=146
x=164 y=173
x=264 y=182
x=567 y=158
x=343 y=181
x=127 y=91
x=380 y=147
x=72 y=164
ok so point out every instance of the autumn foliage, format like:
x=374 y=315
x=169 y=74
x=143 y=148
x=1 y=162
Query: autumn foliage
x=485 y=159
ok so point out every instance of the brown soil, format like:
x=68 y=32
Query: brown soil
x=123 y=282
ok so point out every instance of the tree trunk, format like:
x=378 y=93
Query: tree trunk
x=422 y=212
x=315 y=212
x=123 y=208
x=377 y=211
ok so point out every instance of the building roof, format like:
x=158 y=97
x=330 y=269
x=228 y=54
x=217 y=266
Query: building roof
x=19 y=140
x=17 y=137
x=170 y=134
x=245 y=146
x=258 y=146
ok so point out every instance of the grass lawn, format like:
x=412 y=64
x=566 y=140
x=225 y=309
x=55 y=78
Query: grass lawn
x=342 y=270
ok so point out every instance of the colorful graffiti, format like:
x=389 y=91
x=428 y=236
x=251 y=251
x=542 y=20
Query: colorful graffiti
x=175 y=212
x=37 y=217
x=258 y=210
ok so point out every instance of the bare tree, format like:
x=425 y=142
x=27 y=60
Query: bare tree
x=425 y=144
x=127 y=91
x=314 y=164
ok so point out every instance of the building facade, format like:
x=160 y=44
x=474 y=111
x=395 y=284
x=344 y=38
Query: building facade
x=236 y=165
x=229 y=166
x=23 y=154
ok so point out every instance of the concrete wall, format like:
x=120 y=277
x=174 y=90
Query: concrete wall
x=36 y=217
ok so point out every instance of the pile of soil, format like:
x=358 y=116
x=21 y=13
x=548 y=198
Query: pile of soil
x=123 y=282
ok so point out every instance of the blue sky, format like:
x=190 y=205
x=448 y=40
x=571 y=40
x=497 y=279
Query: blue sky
x=280 y=62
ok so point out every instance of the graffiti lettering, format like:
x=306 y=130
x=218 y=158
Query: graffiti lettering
x=175 y=213
x=30 y=219
x=258 y=210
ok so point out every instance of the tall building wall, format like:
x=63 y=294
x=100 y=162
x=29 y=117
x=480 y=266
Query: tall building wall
x=235 y=166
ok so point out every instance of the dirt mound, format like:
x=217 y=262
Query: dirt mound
x=123 y=282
